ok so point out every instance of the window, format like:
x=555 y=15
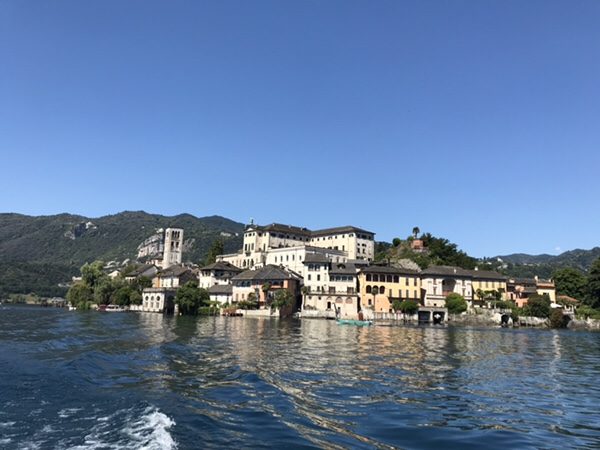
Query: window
x=368 y=289
x=318 y=277
x=389 y=279
x=369 y=277
x=396 y=279
x=375 y=277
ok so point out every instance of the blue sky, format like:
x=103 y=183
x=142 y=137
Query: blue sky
x=476 y=120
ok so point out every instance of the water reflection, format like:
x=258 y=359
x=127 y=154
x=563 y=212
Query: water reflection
x=236 y=381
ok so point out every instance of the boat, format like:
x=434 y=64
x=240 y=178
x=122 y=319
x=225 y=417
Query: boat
x=114 y=308
x=359 y=323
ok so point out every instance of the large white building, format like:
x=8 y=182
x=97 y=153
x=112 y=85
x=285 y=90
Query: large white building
x=289 y=245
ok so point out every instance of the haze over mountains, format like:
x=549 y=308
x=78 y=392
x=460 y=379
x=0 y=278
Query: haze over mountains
x=578 y=258
x=38 y=252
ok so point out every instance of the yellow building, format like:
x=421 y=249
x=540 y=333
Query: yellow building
x=485 y=281
x=546 y=287
x=379 y=286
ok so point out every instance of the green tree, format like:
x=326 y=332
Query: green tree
x=571 y=282
x=80 y=295
x=538 y=306
x=415 y=232
x=456 y=303
x=190 y=298
x=396 y=305
x=282 y=298
x=93 y=274
x=266 y=288
x=480 y=294
x=396 y=242
x=135 y=297
x=593 y=286
x=122 y=295
x=217 y=248
x=103 y=291
x=409 y=307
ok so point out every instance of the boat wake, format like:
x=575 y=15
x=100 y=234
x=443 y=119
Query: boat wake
x=147 y=430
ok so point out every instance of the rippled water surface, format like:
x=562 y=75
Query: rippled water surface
x=77 y=380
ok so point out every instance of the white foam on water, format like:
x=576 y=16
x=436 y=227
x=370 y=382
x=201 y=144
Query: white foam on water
x=6 y=424
x=68 y=412
x=151 y=431
x=148 y=430
x=5 y=441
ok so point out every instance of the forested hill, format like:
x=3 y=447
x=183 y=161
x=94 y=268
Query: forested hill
x=578 y=259
x=56 y=246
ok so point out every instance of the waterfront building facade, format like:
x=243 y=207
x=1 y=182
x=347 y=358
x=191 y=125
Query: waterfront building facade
x=330 y=288
x=158 y=299
x=438 y=282
x=380 y=286
x=263 y=283
x=218 y=273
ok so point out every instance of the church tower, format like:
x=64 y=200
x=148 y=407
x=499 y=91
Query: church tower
x=173 y=247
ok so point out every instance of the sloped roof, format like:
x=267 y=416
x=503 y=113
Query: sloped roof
x=487 y=275
x=315 y=258
x=173 y=271
x=221 y=289
x=222 y=265
x=342 y=269
x=266 y=273
x=340 y=230
x=141 y=269
x=388 y=270
x=447 y=271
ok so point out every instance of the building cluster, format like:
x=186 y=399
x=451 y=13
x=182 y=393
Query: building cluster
x=328 y=272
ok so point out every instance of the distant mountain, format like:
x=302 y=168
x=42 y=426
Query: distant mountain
x=578 y=258
x=60 y=244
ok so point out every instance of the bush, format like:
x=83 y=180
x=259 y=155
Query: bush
x=456 y=303
x=587 y=312
x=409 y=307
x=538 y=306
x=501 y=304
x=558 y=319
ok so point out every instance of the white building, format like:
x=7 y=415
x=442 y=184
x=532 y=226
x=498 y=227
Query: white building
x=438 y=282
x=219 y=273
x=288 y=245
x=158 y=300
x=222 y=293
x=329 y=288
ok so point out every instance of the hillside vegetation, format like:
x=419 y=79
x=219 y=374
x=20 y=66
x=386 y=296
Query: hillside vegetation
x=39 y=252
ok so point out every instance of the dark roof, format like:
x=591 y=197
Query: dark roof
x=220 y=289
x=173 y=271
x=447 y=271
x=140 y=270
x=342 y=269
x=487 y=275
x=266 y=273
x=222 y=265
x=281 y=228
x=315 y=258
x=389 y=270
x=302 y=231
x=340 y=230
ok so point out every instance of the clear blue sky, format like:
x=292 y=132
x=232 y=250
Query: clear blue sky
x=476 y=120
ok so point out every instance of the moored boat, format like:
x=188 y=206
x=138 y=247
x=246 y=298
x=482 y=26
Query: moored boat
x=114 y=308
x=360 y=323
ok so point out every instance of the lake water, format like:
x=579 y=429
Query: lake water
x=88 y=380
